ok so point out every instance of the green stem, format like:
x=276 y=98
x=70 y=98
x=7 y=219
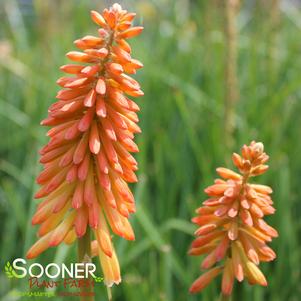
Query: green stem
x=224 y=297
x=109 y=291
x=84 y=256
x=231 y=80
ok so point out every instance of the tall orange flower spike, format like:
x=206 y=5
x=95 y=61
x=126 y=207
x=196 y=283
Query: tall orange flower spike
x=87 y=162
x=231 y=230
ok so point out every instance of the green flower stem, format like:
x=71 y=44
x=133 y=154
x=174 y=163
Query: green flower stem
x=231 y=79
x=84 y=255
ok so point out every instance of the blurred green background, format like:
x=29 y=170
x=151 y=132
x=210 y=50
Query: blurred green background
x=183 y=51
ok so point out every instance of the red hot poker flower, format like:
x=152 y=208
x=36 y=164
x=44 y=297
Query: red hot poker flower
x=87 y=162
x=231 y=230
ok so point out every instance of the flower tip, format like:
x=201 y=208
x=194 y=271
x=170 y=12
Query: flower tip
x=109 y=253
x=190 y=252
x=98 y=18
x=116 y=6
x=80 y=232
x=38 y=195
x=30 y=255
x=34 y=221
x=258 y=147
x=111 y=283
x=129 y=236
x=131 y=32
x=194 y=220
x=192 y=290
x=35 y=250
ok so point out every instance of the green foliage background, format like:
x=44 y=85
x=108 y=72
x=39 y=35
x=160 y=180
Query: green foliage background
x=183 y=50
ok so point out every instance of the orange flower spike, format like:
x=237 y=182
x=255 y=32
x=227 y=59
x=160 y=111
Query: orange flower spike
x=231 y=230
x=205 y=279
x=87 y=163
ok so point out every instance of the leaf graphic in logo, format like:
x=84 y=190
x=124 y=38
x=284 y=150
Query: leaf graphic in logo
x=98 y=279
x=9 y=271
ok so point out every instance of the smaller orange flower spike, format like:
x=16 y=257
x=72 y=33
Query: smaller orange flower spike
x=231 y=230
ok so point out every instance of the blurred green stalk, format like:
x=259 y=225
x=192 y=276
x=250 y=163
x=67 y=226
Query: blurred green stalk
x=274 y=11
x=231 y=81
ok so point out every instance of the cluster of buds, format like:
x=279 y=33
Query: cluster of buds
x=87 y=162
x=231 y=230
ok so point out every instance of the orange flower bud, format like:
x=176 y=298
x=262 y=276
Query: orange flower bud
x=131 y=32
x=228 y=278
x=204 y=280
